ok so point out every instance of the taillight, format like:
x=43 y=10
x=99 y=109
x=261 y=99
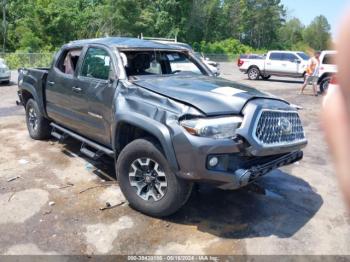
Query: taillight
x=240 y=62
x=334 y=80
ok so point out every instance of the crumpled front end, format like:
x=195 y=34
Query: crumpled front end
x=270 y=136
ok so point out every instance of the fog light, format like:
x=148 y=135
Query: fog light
x=213 y=161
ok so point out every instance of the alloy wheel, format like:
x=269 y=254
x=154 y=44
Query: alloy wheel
x=33 y=118
x=253 y=74
x=148 y=179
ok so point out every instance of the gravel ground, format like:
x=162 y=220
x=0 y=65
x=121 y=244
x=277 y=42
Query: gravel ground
x=52 y=205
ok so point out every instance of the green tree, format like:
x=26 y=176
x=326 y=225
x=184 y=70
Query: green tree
x=291 y=33
x=317 y=34
x=222 y=25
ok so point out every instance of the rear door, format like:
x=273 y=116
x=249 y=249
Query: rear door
x=63 y=103
x=97 y=80
x=273 y=64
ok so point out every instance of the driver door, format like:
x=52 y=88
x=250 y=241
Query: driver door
x=97 y=79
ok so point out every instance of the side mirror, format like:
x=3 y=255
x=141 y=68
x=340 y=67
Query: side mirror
x=298 y=61
x=206 y=59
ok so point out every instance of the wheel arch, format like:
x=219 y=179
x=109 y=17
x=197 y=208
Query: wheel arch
x=26 y=95
x=28 y=91
x=323 y=76
x=133 y=126
x=253 y=66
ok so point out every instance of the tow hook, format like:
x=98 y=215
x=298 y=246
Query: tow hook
x=244 y=175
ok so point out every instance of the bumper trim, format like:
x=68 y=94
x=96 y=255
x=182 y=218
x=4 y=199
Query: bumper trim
x=246 y=176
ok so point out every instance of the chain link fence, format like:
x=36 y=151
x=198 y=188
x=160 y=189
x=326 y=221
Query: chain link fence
x=18 y=60
x=222 y=57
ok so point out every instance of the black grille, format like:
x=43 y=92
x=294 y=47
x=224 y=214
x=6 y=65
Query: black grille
x=279 y=127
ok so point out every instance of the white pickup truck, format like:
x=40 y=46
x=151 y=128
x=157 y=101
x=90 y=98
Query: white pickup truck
x=277 y=63
x=327 y=68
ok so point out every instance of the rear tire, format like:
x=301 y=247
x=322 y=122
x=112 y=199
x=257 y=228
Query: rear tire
x=38 y=126
x=253 y=73
x=147 y=182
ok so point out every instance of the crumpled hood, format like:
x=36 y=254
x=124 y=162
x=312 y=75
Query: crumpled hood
x=211 y=95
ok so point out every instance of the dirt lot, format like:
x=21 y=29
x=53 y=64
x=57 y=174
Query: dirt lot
x=53 y=204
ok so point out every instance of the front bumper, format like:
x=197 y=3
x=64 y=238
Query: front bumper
x=235 y=169
x=240 y=160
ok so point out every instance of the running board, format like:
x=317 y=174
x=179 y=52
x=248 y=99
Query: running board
x=88 y=152
x=57 y=135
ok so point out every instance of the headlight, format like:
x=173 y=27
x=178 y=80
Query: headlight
x=219 y=127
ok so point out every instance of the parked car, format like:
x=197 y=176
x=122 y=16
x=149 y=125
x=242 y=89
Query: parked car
x=277 y=63
x=5 y=73
x=327 y=68
x=162 y=115
x=213 y=66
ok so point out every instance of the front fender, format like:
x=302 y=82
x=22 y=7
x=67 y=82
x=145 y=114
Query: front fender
x=151 y=126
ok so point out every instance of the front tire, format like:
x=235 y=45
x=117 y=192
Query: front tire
x=253 y=73
x=324 y=84
x=38 y=126
x=266 y=77
x=147 y=182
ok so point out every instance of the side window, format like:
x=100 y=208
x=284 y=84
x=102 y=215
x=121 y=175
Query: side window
x=179 y=62
x=329 y=59
x=97 y=64
x=276 y=56
x=68 y=61
x=289 y=57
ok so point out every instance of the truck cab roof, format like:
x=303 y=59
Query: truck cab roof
x=126 y=43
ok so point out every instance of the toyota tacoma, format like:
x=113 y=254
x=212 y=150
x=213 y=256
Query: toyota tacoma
x=167 y=121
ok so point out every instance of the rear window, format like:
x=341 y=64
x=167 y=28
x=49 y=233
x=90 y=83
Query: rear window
x=329 y=59
x=68 y=61
x=276 y=56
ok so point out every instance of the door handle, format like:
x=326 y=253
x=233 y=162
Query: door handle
x=268 y=63
x=284 y=64
x=51 y=83
x=76 y=89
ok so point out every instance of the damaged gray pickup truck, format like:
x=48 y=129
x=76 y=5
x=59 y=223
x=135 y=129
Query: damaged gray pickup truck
x=162 y=115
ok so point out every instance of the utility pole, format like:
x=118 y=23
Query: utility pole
x=4 y=26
